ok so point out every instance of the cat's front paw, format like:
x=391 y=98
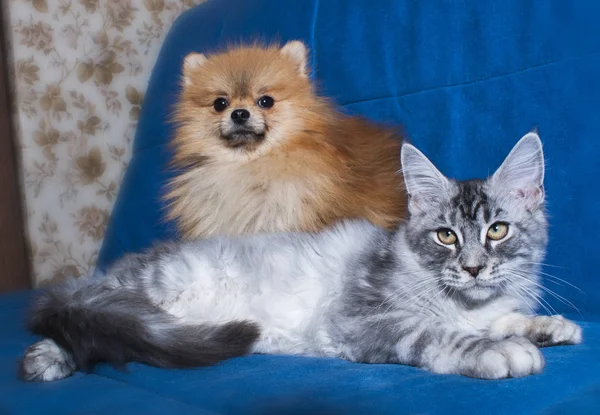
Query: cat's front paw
x=514 y=357
x=554 y=330
x=46 y=361
x=541 y=330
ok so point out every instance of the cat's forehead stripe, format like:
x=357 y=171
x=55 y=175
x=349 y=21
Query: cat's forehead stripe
x=472 y=201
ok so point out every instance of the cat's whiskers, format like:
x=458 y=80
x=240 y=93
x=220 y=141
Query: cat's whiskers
x=416 y=297
x=543 y=264
x=546 y=289
x=385 y=300
x=537 y=299
x=532 y=294
x=554 y=277
x=417 y=286
x=513 y=291
x=560 y=280
x=406 y=294
x=431 y=301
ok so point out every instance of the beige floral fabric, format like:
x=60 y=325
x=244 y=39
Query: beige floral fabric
x=81 y=69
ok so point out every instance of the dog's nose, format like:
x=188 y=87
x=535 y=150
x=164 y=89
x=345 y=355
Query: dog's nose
x=240 y=116
x=474 y=271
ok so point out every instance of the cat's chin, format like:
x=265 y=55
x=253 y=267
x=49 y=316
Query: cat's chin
x=479 y=293
x=473 y=290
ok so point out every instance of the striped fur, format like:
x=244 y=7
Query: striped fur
x=353 y=291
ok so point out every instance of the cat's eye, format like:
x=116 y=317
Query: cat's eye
x=446 y=236
x=265 y=102
x=220 y=104
x=497 y=231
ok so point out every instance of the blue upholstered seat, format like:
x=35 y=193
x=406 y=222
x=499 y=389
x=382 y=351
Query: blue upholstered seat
x=467 y=79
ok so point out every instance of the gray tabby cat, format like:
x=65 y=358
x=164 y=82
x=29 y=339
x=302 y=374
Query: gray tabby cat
x=452 y=291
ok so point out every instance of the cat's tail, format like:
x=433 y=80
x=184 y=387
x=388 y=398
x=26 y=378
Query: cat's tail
x=96 y=323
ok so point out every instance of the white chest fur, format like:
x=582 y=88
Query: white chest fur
x=248 y=198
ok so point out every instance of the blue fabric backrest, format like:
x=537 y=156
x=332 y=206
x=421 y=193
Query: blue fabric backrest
x=466 y=78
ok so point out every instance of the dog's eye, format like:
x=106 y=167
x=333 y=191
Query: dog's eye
x=266 y=102
x=220 y=104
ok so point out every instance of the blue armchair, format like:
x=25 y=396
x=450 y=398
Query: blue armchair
x=466 y=79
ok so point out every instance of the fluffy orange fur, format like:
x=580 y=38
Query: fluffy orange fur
x=296 y=165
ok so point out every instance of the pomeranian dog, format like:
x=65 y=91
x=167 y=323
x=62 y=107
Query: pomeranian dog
x=258 y=151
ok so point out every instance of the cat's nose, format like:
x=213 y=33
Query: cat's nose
x=474 y=271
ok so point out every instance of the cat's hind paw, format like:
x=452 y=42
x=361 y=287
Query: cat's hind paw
x=46 y=361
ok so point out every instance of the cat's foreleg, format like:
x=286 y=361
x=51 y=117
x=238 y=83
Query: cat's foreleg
x=544 y=331
x=434 y=346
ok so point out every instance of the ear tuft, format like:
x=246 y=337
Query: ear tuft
x=297 y=52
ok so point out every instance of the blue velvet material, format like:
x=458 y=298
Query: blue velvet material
x=265 y=385
x=467 y=79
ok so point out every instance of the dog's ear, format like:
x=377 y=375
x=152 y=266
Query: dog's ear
x=298 y=53
x=191 y=63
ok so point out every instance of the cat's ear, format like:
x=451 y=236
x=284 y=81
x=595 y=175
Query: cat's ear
x=522 y=172
x=425 y=184
x=297 y=52
x=192 y=62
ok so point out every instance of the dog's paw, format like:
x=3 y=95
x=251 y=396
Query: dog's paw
x=46 y=361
